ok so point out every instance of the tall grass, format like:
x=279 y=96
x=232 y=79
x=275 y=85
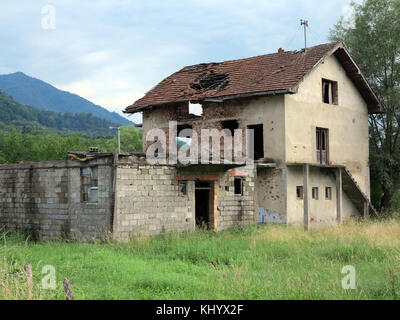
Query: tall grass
x=261 y=262
x=13 y=279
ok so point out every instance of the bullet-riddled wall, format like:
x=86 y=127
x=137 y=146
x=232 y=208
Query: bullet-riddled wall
x=268 y=111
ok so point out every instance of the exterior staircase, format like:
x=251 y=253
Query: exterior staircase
x=355 y=194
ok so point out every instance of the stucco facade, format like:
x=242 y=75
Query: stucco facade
x=289 y=124
x=347 y=122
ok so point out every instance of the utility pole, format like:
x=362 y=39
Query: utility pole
x=118 y=137
x=305 y=24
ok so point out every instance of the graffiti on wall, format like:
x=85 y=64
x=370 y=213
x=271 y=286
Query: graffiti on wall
x=265 y=217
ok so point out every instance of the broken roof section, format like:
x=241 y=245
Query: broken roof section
x=268 y=74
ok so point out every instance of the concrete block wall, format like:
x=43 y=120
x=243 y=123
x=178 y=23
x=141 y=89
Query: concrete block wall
x=148 y=201
x=237 y=210
x=44 y=199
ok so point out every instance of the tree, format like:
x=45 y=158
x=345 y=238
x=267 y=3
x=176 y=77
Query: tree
x=372 y=35
x=16 y=146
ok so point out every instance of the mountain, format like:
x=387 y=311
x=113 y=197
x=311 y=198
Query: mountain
x=39 y=94
x=31 y=120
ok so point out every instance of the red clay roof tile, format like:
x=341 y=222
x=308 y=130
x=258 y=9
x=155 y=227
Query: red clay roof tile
x=279 y=72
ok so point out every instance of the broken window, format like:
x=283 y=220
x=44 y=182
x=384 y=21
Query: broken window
x=329 y=91
x=182 y=188
x=89 y=184
x=184 y=134
x=238 y=186
x=315 y=193
x=184 y=137
x=328 y=193
x=159 y=151
x=230 y=125
x=299 y=192
x=258 y=141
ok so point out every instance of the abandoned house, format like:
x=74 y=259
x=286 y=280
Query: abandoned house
x=308 y=110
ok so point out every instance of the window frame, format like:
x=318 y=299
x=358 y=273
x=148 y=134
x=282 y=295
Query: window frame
x=88 y=181
x=299 y=192
x=315 y=193
x=328 y=195
x=333 y=96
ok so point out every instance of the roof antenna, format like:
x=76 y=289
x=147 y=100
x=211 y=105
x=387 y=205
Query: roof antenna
x=305 y=24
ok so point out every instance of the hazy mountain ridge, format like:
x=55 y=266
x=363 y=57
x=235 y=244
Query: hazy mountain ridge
x=32 y=120
x=39 y=94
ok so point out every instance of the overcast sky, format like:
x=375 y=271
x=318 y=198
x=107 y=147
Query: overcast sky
x=112 y=52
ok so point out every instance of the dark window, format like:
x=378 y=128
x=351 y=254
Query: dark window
x=299 y=192
x=239 y=186
x=329 y=91
x=315 y=193
x=159 y=152
x=328 y=193
x=182 y=188
x=230 y=125
x=258 y=141
x=181 y=128
x=322 y=144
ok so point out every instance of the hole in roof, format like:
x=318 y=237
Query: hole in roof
x=211 y=80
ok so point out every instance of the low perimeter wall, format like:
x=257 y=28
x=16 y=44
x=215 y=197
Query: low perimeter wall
x=77 y=199
x=45 y=199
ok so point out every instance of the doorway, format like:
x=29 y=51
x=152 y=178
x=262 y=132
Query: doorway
x=258 y=141
x=322 y=146
x=204 y=204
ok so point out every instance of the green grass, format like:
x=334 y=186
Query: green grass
x=268 y=262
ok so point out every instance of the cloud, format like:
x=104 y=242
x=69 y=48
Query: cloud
x=112 y=52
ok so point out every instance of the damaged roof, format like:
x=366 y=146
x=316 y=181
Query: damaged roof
x=268 y=74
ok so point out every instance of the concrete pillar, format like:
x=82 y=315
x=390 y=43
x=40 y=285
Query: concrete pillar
x=366 y=209
x=306 y=195
x=339 y=196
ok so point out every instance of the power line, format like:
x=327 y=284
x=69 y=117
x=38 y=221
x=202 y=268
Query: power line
x=317 y=36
